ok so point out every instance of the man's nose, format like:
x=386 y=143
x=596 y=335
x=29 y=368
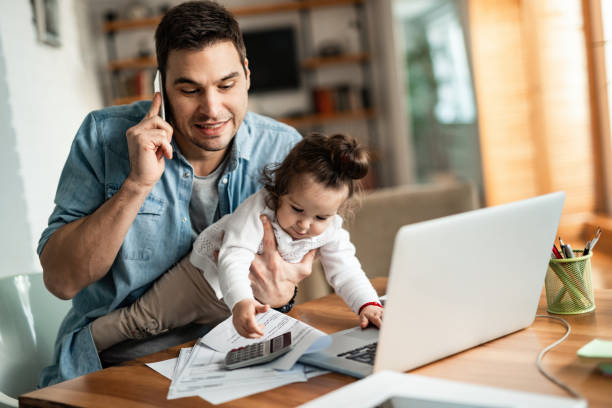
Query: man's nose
x=210 y=104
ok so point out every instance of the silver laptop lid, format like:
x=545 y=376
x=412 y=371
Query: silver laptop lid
x=459 y=281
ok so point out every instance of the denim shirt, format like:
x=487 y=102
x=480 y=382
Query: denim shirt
x=160 y=235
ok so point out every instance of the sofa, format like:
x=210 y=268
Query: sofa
x=378 y=217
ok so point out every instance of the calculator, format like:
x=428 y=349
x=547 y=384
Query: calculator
x=258 y=353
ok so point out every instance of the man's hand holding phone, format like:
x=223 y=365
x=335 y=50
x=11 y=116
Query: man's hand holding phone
x=148 y=145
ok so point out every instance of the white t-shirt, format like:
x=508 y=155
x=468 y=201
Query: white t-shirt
x=238 y=237
x=204 y=202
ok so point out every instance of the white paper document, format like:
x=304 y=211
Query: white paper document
x=181 y=362
x=204 y=371
x=210 y=381
x=224 y=336
x=165 y=367
x=217 y=385
x=170 y=368
x=199 y=371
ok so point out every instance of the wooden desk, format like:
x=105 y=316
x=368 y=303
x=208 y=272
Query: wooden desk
x=507 y=362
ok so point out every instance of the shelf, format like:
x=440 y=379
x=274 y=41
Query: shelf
x=133 y=63
x=310 y=63
x=319 y=62
x=119 y=25
x=320 y=118
x=289 y=6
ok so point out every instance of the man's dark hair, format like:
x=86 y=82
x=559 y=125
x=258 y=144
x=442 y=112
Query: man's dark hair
x=193 y=26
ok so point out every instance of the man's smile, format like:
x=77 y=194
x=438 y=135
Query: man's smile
x=211 y=128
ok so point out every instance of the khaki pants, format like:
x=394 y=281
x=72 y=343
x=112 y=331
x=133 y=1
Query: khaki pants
x=179 y=297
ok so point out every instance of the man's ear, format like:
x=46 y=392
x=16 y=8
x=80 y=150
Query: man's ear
x=247 y=72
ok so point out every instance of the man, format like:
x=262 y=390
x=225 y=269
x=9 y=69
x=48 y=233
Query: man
x=136 y=190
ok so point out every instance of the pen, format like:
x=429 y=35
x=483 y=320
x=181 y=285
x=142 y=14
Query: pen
x=556 y=252
x=594 y=240
x=567 y=250
x=591 y=244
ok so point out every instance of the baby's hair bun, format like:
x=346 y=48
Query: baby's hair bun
x=348 y=157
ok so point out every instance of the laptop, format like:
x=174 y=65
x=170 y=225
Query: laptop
x=455 y=282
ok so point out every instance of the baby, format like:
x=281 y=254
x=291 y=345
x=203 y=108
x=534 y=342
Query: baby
x=302 y=198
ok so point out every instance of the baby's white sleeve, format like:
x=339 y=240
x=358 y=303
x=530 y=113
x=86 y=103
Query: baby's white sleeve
x=243 y=234
x=344 y=273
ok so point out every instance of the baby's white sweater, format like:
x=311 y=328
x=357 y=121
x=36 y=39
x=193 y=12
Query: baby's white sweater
x=238 y=237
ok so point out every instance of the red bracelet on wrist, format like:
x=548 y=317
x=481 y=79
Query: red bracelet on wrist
x=369 y=304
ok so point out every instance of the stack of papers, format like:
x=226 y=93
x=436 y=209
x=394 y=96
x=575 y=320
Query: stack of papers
x=199 y=371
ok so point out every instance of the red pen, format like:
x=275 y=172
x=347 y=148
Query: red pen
x=556 y=252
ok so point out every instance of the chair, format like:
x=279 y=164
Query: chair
x=379 y=217
x=29 y=320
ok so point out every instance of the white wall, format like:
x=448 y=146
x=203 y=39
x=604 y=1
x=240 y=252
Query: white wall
x=16 y=235
x=45 y=93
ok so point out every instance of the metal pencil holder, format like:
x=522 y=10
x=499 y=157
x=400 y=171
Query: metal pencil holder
x=568 y=285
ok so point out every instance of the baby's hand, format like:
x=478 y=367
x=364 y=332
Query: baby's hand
x=371 y=314
x=243 y=317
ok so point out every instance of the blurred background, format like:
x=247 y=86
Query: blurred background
x=510 y=95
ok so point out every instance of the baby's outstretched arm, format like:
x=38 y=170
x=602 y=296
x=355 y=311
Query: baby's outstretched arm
x=243 y=317
x=371 y=314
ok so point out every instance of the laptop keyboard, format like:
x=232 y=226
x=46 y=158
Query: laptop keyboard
x=364 y=354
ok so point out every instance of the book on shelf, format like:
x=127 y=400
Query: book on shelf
x=135 y=84
x=340 y=98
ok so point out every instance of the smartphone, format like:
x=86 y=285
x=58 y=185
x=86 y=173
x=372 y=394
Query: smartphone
x=258 y=353
x=157 y=87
